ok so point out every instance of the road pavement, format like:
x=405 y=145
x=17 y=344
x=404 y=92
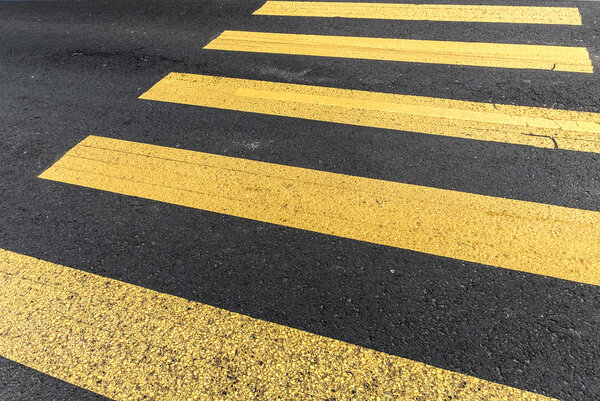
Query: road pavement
x=165 y=238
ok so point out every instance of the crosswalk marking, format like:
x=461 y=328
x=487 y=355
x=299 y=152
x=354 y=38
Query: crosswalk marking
x=530 y=237
x=539 y=127
x=557 y=58
x=425 y=12
x=127 y=342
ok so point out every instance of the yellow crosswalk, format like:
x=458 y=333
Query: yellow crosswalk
x=544 y=128
x=130 y=343
x=127 y=342
x=424 y=12
x=556 y=58
x=525 y=236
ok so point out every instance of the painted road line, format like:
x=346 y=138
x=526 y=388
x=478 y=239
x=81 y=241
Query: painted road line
x=557 y=58
x=539 y=127
x=530 y=237
x=424 y=12
x=127 y=342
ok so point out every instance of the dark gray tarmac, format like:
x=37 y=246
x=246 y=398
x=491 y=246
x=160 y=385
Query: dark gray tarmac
x=69 y=69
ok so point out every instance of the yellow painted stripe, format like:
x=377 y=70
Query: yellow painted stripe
x=130 y=343
x=545 y=128
x=558 y=58
x=425 y=12
x=526 y=236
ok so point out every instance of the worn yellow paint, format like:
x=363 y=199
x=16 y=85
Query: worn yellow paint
x=558 y=58
x=425 y=12
x=130 y=343
x=545 y=128
x=531 y=237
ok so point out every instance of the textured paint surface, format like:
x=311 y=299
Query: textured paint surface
x=425 y=12
x=545 y=128
x=525 y=236
x=129 y=343
x=557 y=58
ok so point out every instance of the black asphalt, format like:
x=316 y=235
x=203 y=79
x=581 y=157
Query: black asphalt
x=70 y=69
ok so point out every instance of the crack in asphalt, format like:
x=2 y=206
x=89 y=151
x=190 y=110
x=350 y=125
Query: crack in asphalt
x=544 y=136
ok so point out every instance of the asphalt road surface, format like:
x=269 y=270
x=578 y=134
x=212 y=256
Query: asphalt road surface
x=165 y=234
